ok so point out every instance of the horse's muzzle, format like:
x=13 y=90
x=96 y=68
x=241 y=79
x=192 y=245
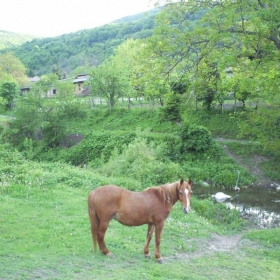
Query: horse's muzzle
x=186 y=210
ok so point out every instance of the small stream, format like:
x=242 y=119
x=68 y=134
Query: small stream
x=258 y=204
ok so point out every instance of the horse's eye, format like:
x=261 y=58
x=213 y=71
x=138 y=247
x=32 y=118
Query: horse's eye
x=180 y=192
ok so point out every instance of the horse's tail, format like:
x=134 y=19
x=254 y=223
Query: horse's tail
x=94 y=221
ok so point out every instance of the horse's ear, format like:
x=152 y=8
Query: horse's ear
x=190 y=181
x=181 y=181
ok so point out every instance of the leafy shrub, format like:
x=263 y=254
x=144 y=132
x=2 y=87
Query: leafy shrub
x=224 y=177
x=143 y=162
x=170 y=144
x=171 y=109
x=195 y=138
x=96 y=147
x=222 y=173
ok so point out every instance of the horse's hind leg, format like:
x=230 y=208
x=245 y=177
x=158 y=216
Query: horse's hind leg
x=100 y=237
x=159 y=228
x=150 y=232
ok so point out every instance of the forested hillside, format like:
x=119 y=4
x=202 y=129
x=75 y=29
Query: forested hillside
x=11 y=39
x=210 y=57
x=91 y=47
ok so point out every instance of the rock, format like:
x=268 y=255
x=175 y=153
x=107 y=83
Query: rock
x=220 y=197
x=205 y=184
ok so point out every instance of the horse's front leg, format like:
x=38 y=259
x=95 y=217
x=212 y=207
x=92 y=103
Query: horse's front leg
x=159 y=228
x=149 y=236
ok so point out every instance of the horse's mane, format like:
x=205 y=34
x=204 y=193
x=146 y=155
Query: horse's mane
x=167 y=192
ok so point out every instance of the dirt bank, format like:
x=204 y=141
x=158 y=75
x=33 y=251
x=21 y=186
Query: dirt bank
x=252 y=164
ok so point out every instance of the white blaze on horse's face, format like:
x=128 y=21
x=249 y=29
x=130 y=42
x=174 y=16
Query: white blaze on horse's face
x=185 y=195
x=187 y=208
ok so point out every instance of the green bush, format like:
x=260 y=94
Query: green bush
x=170 y=144
x=95 y=147
x=98 y=147
x=144 y=162
x=224 y=177
x=172 y=108
x=195 y=138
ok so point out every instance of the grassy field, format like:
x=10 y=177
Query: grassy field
x=45 y=235
x=44 y=225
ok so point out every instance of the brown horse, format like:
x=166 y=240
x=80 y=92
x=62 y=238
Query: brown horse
x=150 y=206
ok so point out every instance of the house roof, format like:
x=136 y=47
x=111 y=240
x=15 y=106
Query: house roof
x=81 y=79
x=25 y=88
x=34 y=79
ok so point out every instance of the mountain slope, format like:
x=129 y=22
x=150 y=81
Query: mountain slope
x=91 y=46
x=11 y=39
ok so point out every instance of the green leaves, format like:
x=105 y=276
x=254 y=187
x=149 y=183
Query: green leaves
x=11 y=69
x=264 y=126
x=172 y=109
x=8 y=91
x=195 y=138
x=42 y=119
x=110 y=81
x=200 y=41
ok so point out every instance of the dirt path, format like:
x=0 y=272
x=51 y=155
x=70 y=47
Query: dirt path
x=252 y=164
x=215 y=244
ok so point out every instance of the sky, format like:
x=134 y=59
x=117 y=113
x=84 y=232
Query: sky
x=50 y=18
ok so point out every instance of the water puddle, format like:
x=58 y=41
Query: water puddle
x=260 y=205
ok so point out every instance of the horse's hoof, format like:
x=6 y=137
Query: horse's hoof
x=147 y=256
x=160 y=261
x=109 y=254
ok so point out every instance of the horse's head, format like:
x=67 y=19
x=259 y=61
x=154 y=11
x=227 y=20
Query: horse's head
x=185 y=192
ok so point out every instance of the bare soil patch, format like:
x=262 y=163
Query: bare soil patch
x=215 y=244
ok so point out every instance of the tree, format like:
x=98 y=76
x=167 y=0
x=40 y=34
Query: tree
x=12 y=68
x=172 y=109
x=126 y=56
x=226 y=33
x=8 y=91
x=40 y=120
x=110 y=80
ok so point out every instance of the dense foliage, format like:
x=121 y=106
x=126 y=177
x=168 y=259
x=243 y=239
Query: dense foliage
x=223 y=52
x=12 y=69
x=218 y=48
x=8 y=91
x=134 y=142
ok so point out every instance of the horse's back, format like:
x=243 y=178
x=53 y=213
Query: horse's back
x=128 y=207
x=107 y=193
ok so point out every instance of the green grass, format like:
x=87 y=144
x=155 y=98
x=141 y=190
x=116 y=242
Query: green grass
x=220 y=125
x=45 y=235
x=267 y=243
x=122 y=119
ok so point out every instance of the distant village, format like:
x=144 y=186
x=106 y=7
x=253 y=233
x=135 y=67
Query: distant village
x=79 y=81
